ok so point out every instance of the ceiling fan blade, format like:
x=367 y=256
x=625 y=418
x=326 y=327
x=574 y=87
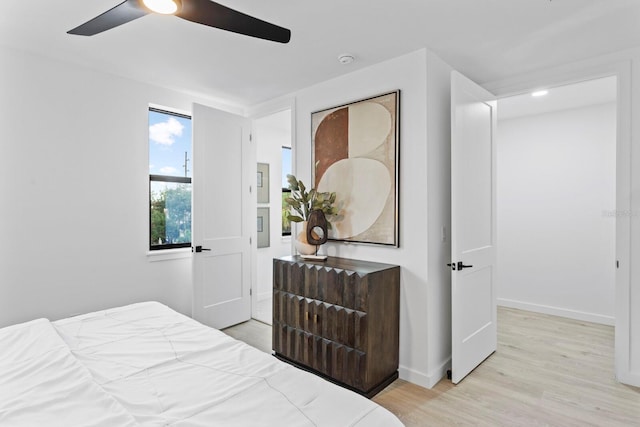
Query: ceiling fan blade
x=216 y=15
x=118 y=15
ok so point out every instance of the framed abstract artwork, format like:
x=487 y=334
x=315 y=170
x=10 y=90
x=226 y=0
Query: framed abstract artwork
x=356 y=155
x=262 y=183
x=263 y=227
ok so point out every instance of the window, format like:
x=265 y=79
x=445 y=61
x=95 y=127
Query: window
x=169 y=180
x=286 y=170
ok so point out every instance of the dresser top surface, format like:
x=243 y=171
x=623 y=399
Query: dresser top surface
x=340 y=263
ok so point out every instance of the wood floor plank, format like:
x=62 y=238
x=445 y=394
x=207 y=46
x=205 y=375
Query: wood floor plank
x=547 y=371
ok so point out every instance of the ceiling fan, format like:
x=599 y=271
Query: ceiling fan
x=204 y=12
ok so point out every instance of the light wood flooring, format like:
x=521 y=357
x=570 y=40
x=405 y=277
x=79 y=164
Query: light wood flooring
x=547 y=371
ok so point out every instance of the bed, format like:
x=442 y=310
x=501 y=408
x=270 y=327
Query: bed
x=147 y=365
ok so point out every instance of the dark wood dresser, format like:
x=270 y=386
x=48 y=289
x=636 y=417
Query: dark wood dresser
x=338 y=318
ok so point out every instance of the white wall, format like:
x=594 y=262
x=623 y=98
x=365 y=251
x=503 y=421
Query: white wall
x=74 y=186
x=556 y=207
x=628 y=301
x=424 y=322
x=438 y=215
x=270 y=138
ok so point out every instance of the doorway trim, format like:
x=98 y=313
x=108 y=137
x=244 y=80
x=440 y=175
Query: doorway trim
x=575 y=73
x=254 y=113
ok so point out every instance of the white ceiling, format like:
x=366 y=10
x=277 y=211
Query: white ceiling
x=591 y=92
x=485 y=39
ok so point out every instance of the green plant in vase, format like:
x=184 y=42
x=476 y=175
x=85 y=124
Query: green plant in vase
x=301 y=204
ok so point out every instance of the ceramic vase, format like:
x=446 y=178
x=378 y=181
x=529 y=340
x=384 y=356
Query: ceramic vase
x=301 y=244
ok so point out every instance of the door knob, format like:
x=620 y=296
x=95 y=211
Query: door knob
x=461 y=265
x=200 y=249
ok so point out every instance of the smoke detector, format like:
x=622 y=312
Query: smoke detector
x=346 y=58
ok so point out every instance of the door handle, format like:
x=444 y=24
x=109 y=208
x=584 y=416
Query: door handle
x=461 y=265
x=200 y=249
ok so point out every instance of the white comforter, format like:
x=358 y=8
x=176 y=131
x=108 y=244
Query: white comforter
x=145 y=364
x=42 y=383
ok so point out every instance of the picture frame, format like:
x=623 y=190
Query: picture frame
x=262 y=183
x=355 y=150
x=263 y=227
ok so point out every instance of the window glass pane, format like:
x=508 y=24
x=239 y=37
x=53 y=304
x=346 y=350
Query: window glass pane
x=170 y=180
x=286 y=165
x=169 y=144
x=170 y=213
x=286 y=224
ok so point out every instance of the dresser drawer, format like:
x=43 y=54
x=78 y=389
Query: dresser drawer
x=337 y=361
x=339 y=324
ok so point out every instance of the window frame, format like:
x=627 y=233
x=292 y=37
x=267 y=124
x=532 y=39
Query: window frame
x=285 y=190
x=166 y=178
x=285 y=233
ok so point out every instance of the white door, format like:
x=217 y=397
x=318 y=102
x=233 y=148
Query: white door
x=473 y=225
x=221 y=227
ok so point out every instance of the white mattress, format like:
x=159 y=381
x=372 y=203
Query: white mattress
x=147 y=365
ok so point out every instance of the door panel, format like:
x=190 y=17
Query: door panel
x=473 y=225
x=476 y=159
x=477 y=304
x=222 y=271
x=227 y=266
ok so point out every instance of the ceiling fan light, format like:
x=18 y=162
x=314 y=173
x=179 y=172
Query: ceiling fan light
x=165 y=7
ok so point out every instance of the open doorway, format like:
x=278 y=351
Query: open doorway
x=272 y=135
x=556 y=201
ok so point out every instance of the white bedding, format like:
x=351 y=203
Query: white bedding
x=42 y=384
x=145 y=364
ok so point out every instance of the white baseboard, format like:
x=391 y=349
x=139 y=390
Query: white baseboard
x=558 y=311
x=426 y=381
x=629 y=378
x=412 y=376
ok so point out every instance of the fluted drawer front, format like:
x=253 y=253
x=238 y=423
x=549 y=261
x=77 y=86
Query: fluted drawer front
x=341 y=362
x=335 y=360
x=339 y=324
x=334 y=286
